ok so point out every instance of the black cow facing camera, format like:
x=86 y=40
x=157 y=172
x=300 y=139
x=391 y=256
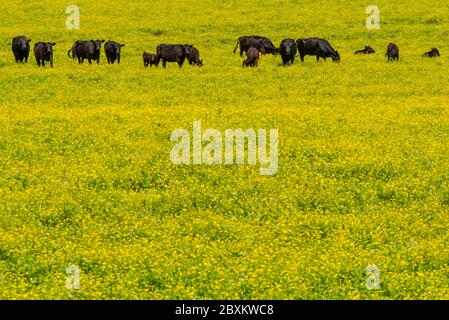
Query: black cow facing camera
x=43 y=51
x=288 y=50
x=21 y=48
x=112 y=50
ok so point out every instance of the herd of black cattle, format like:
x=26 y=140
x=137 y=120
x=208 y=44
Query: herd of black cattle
x=253 y=46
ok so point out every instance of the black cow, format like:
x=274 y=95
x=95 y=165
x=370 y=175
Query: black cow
x=317 y=47
x=433 y=53
x=252 y=58
x=43 y=51
x=264 y=45
x=392 y=52
x=150 y=59
x=21 y=48
x=173 y=53
x=194 y=57
x=288 y=50
x=112 y=50
x=89 y=50
x=367 y=50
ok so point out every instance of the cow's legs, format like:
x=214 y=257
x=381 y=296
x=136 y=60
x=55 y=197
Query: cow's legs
x=90 y=60
x=38 y=62
x=43 y=62
x=164 y=63
x=181 y=62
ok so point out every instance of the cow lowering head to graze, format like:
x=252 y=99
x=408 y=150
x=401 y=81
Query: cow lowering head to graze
x=173 y=53
x=21 y=48
x=433 y=53
x=112 y=50
x=252 y=58
x=392 y=52
x=288 y=50
x=367 y=50
x=43 y=51
x=194 y=57
x=89 y=50
x=264 y=45
x=150 y=59
x=317 y=47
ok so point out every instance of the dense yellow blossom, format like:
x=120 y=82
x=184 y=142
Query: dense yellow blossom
x=86 y=179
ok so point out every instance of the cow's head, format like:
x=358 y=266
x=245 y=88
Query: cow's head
x=269 y=47
x=23 y=43
x=368 y=49
x=48 y=48
x=187 y=49
x=336 y=57
x=97 y=44
x=116 y=47
x=287 y=48
x=435 y=52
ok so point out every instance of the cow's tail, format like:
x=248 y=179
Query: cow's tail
x=68 y=53
x=238 y=43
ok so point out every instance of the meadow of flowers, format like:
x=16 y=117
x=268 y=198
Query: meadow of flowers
x=86 y=178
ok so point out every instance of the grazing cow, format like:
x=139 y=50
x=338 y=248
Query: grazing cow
x=264 y=45
x=112 y=50
x=21 y=48
x=367 y=50
x=194 y=57
x=252 y=58
x=433 y=53
x=89 y=50
x=43 y=51
x=288 y=50
x=317 y=47
x=173 y=53
x=150 y=59
x=392 y=52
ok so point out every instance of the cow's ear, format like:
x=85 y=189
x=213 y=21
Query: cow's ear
x=29 y=40
x=53 y=44
x=122 y=45
x=92 y=40
x=102 y=41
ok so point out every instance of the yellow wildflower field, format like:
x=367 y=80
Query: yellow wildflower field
x=358 y=208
